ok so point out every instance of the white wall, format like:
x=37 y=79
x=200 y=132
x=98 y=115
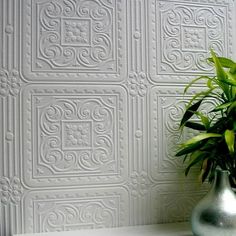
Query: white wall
x=90 y=100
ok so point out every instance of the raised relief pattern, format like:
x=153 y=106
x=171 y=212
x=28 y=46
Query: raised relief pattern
x=71 y=215
x=79 y=135
x=72 y=210
x=139 y=184
x=71 y=38
x=168 y=108
x=174 y=203
x=10 y=190
x=187 y=32
x=67 y=127
x=75 y=34
x=10 y=83
x=137 y=84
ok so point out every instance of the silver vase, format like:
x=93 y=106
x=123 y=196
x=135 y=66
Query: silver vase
x=215 y=214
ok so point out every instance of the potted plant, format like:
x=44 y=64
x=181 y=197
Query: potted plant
x=215 y=143
x=214 y=148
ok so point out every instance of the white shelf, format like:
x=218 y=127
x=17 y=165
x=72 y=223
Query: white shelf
x=177 y=229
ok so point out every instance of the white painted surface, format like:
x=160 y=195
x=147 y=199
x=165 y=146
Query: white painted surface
x=179 y=229
x=90 y=100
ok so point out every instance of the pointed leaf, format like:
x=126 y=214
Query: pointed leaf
x=225 y=62
x=219 y=69
x=229 y=139
x=195 y=158
x=230 y=79
x=221 y=75
x=189 y=112
x=203 y=94
x=190 y=148
x=204 y=119
x=194 y=125
x=201 y=137
x=221 y=107
x=194 y=81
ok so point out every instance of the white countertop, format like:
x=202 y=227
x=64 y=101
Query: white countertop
x=176 y=229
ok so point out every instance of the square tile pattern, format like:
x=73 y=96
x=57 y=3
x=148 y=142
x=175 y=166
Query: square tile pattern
x=78 y=135
x=90 y=101
x=182 y=33
x=74 y=40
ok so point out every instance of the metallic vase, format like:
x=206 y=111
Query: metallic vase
x=215 y=214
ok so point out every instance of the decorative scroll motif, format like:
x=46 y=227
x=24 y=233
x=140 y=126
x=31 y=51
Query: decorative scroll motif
x=61 y=210
x=169 y=113
x=168 y=109
x=77 y=215
x=9 y=83
x=173 y=112
x=10 y=190
x=76 y=34
x=78 y=135
x=187 y=33
x=137 y=84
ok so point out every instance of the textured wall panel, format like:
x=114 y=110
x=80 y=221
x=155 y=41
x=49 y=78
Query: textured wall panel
x=75 y=209
x=74 y=135
x=175 y=201
x=74 y=40
x=90 y=100
x=167 y=107
x=181 y=34
x=11 y=189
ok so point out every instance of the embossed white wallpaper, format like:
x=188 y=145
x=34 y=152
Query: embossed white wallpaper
x=90 y=100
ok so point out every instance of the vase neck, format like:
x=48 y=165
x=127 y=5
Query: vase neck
x=221 y=180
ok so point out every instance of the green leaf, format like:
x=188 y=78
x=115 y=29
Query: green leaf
x=225 y=62
x=221 y=75
x=218 y=125
x=221 y=107
x=203 y=95
x=233 y=69
x=231 y=75
x=189 y=112
x=194 y=81
x=230 y=79
x=201 y=137
x=209 y=83
x=229 y=139
x=195 y=158
x=233 y=92
x=204 y=119
x=190 y=148
x=195 y=126
x=232 y=106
